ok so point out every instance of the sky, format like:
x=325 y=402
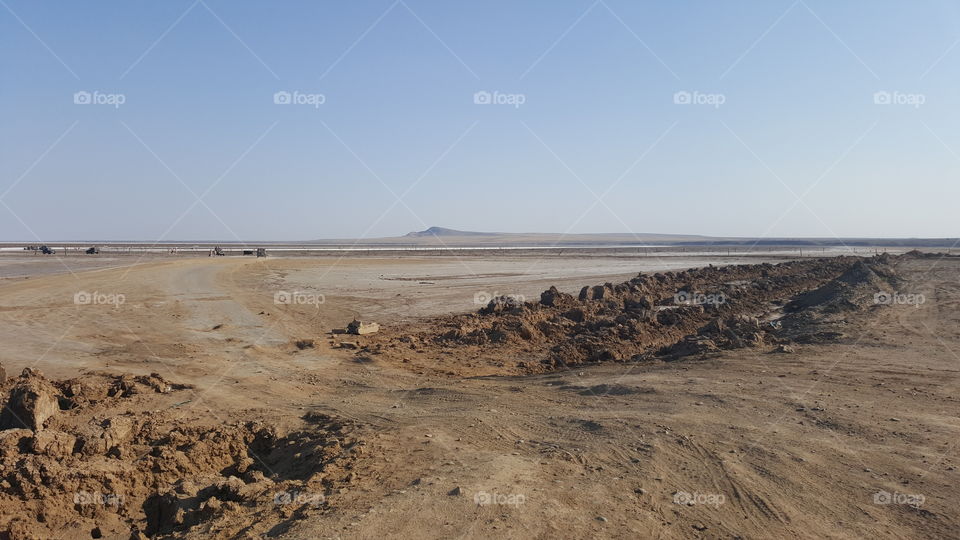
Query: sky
x=242 y=120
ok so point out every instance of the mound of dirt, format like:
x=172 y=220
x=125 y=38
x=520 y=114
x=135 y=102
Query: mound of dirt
x=83 y=459
x=671 y=314
x=849 y=291
x=819 y=314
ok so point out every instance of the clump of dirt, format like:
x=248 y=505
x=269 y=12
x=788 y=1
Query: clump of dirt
x=30 y=402
x=721 y=333
x=83 y=459
x=669 y=315
x=303 y=344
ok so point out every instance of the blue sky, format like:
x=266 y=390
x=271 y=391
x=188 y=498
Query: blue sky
x=785 y=137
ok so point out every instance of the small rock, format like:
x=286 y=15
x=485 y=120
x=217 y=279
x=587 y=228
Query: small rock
x=455 y=492
x=53 y=443
x=361 y=328
x=602 y=519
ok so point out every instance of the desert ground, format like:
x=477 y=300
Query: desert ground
x=217 y=397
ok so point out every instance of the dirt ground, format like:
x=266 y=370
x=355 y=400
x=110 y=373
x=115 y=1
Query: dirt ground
x=847 y=438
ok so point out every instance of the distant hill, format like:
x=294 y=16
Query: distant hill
x=446 y=237
x=443 y=231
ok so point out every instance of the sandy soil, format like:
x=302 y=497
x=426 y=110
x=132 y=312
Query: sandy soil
x=783 y=445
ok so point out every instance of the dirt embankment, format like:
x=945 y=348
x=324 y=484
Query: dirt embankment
x=663 y=315
x=88 y=458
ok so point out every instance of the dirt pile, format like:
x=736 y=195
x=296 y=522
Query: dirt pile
x=671 y=314
x=819 y=314
x=84 y=459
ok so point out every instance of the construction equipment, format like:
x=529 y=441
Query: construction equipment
x=46 y=250
x=93 y=250
x=261 y=252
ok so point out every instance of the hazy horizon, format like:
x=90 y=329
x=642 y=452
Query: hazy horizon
x=641 y=236
x=212 y=119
